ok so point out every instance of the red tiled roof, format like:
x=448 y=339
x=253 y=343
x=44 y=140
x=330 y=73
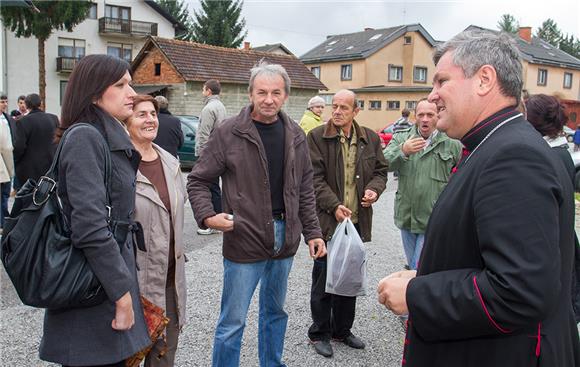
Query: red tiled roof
x=199 y=62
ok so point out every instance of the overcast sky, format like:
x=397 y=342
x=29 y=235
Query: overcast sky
x=301 y=25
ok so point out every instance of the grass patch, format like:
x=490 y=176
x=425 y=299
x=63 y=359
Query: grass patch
x=577 y=196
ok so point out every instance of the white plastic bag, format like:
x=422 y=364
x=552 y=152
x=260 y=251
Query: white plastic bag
x=346 y=271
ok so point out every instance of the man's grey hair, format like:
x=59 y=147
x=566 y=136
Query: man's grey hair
x=473 y=49
x=267 y=69
x=163 y=102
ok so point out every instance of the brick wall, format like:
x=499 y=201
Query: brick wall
x=145 y=72
x=186 y=99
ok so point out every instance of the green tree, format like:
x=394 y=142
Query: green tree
x=40 y=22
x=508 y=23
x=178 y=9
x=219 y=24
x=570 y=45
x=550 y=32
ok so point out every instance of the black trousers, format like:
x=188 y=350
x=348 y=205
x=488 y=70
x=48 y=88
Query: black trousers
x=216 y=196
x=332 y=315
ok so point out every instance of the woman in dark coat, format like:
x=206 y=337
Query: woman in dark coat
x=548 y=116
x=98 y=93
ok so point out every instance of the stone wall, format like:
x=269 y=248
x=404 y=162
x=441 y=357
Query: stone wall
x=186 y=99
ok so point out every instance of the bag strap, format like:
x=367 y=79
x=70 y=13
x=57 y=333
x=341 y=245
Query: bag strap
x=52 y=174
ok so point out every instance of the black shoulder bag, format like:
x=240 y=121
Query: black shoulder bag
x=45 y=268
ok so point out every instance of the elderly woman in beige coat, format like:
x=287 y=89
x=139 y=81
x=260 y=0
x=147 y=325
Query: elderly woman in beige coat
x=159 y=206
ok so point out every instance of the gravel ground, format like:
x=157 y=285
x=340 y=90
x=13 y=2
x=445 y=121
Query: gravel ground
x=21 y=326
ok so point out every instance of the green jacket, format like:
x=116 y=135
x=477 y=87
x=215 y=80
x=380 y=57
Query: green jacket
x=309 y=121
x=422 y=177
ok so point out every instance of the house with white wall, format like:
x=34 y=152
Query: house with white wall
x=114 y=27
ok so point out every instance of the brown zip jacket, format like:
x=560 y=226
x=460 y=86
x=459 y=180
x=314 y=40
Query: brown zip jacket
x=370 y=173
x=235 y=153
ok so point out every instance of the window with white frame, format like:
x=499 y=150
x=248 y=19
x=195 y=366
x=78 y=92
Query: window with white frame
x=63 y=84
x=117 y=12
x=70 y=47
x=395 y=73
x=316 y=71
x=93 y=11
x=410 y=104
x=360 y=104
x=420 y=74
x=568 y=80
x=327 y=98
x=393 y=105
x=374 y=105
x=346 y=72
x=542 y=76
x=120 y=50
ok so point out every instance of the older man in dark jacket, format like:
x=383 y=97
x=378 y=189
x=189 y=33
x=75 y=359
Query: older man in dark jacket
x=34 y=141
x=493 y=284
x=350 y=172
x=261 y=156
x=169 y=134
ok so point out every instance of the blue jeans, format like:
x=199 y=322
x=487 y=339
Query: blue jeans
x=4 y=197
x=413 y=245
x=240 y=281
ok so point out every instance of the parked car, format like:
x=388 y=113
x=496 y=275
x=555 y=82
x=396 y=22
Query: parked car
x=569 y=133
x=186 y=153
x=386 y=134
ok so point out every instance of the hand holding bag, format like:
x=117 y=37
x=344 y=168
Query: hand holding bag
x=346 y=269
x=46 y=269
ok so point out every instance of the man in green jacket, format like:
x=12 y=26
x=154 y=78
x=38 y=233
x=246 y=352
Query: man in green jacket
x=424 y=158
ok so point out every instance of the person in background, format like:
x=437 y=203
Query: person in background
x=577 y=139
x=350 y=173
x=424 y=157
x=493 y=284
x=548 y=116
x=34 y=141
x=313 y=115
x=213 y=113
x=159 y=208
x=6 y=158
x=262 y=157
x=403 y=122
x=99 y=93
x=21 y=111
x=169 y=134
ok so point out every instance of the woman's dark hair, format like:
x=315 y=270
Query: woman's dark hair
x=90 y=78
x=546 y=114
x=145 y=98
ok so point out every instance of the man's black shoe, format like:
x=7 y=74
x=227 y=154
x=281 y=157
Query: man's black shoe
x=353 y=342
x=407 y=267
x=322 y=347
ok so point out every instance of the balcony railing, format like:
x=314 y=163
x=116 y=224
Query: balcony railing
x=127 y=27
x=66 y=64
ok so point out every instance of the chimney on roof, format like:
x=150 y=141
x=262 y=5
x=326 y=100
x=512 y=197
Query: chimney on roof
x=369 y=29
x=525 y=33
x=246 y=46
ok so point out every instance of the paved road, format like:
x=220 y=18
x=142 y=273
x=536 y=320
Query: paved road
x=20 y=326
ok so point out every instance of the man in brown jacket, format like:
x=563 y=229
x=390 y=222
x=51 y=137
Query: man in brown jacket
x=350 y=172
x=262 y=158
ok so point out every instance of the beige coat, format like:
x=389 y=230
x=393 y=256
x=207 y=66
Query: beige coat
x=151 y=213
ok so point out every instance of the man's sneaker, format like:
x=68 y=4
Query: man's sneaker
x=207 y=231
x=322 y=347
